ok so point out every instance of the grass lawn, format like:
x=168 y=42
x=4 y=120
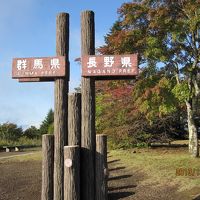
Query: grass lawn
x=163 y=167
x=32 y=154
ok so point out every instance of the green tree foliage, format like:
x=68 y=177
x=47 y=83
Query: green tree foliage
x=139 y=111
x=10 y=131
x=47 y=123
x=51 y=129
x=160 y=31
x=31 y=132
x=78 y=89
x=154 y=98
x=102 y=106
x=166 y=32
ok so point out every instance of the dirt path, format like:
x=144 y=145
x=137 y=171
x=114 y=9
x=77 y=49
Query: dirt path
x=20 y=180
x=15 y=155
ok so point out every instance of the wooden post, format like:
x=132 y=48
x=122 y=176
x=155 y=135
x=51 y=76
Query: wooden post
x=101 y=167
x=74 y=119
x=88 y=141
x=47 y=166
x=60 y=107
x=72 y=172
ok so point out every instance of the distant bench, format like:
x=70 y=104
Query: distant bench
x=161 y=143
x=12 y=148
x=166 y=143
x=17 y=147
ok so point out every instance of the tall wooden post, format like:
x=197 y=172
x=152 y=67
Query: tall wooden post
x=60 y=108
x=88 y=141
x=101 y=167
x=74 y=119
x=72 y=172
x=47 y=167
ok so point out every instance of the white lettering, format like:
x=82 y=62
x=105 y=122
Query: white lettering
x=92 y=62
x=55 y=63
x=21 y=64
x=38 y=64
x=108 y=61
x=126 y=61
x=89 y=71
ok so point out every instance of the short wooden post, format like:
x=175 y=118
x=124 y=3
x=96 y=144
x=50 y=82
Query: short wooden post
x=60 y=108
x=47 y=166
x=72 y=172
x=101 y=167
x=74 y=119
x=88 y=141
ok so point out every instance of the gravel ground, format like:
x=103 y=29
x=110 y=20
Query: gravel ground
x=20 y=180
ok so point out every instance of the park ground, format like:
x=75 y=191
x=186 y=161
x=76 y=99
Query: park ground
x=135 y=174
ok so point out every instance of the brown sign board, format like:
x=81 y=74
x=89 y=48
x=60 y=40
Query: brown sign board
x=39 y=67
x=25 y=80
x=110 y=66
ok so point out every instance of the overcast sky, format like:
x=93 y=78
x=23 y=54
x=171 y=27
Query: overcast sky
x=28 y=30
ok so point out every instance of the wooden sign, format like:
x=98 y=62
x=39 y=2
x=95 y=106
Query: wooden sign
x=44 y=67
x=29 y=80
x=110 y=66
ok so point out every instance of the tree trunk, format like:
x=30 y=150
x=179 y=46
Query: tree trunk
x=192 y=129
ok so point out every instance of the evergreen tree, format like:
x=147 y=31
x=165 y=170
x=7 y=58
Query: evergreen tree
x=48 y=121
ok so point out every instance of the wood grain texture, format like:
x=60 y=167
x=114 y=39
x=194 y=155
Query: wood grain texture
x=47 y=167
x=60 y=106
x=88 y=141
x=101 y=168
x=72 y=173
x=74 y=119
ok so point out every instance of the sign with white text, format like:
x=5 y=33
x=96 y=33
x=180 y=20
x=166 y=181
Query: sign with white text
x=39 y=67
x=110 y=66
x=33 y=80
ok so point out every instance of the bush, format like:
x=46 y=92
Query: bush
x=31 y=132
x=23 y=141
x=10 y=131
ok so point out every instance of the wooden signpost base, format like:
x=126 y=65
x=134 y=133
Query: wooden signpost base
x=88 y=141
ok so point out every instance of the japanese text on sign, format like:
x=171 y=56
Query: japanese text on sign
x=39 y=67
x=116 y=65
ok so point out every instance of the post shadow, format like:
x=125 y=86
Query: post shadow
x=116 y=168
x=115 y=193
x=121 y=187
x=119 y=177
x=119 y=195
x=112 y=161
